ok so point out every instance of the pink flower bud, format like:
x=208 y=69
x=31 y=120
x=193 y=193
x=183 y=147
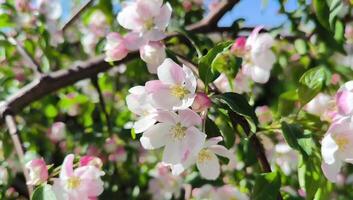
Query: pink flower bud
x=57 y=131
x=201 y=102
x=38 y=171
x=187 y=5
x=336 y=78
x=264 y=114
x=349 y=33
x=239 y=47
x=91 y=161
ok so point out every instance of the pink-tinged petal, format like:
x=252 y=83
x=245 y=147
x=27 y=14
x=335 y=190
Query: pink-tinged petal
x=331 y=170
x=213 y=141
x=153 y=54
x=67 y=169
x=221 y=151
x=38 y=171
x=172 y=153
x=167 y=117
x=192 y=143
x=264 y=41
x=344 y=100
x=144 y=123
x=129 y=18
x=162 y=20
x=138 y=90
x=156 y=136
x=133 y=41
x=116 y=54
x=189 y=118
x=148 y=9
x=163 y=99
x=253 y=36
x=170 y=72
x=329 y=149
x=264 y=59
x=201 y=102
x=260 y=75
x=209 y=167
x=90 y=181
x=179 y=168
x=154 y=35
x=190 y=79
x=155 y=86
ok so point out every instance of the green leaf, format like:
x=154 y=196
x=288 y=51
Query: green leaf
x=287 y=102
x=322 y=12
x=238 y=104
x=267 y=186
x=43 y=192
x=300 y=46
x=5 y=21
x=207 y=75
x=335 y=8
x=227 y=63
x=211 y=128
x=311 y=83
x=51 y=111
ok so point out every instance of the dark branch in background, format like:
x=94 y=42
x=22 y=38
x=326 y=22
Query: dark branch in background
x=22 y=51
x=209 y=23
x=102 y=103
x=76 y=14
x=256 y=144
x=11 y=125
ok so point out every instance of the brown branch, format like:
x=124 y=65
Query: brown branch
x=210 y=22
x=76 y=14
x=11 y=124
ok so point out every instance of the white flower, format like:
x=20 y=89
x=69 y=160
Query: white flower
x=153 y=54
x=177 y=132
x=175 y=88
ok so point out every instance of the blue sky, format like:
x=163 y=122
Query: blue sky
x=255 y=12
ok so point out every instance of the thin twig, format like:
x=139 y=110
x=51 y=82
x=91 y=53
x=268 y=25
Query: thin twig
x=76 y=14
x=23 y=52
x=11 y=124
x=102 y=103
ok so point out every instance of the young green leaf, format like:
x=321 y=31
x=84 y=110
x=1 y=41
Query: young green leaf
x=43 y=192
x=267 y=186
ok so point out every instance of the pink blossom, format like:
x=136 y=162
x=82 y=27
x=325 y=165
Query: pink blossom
x=264 y=114
x=139 y=102
x=337 y=147
x=349 y=33
x=336 y=78
x=177 y=132
x=323 y=106
x=239 y=47
x=241 y=83
x=153 y=53
x=148 y=18
x=119 y=155
x=206 y=159
x=259 y=59
x=175 y=88
x=201 y=103
x=80 y=183
x=57 y=131
x=118 y=47
x=344 y=99
x=38 y=171
x=226 y=192
x=91 y=160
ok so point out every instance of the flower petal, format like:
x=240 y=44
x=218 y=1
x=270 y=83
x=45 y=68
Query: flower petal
x=209 y=168
x=329 y=149
x=170 y=73
x=163 y=18
x=331 y=170
x=67 y=169
x=156 y=136
x=189 y=118
x=144 y=123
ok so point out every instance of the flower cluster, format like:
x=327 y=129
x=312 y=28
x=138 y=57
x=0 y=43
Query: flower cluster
x=83 y=182
x=147 y=21
x=337 y=143
x=226 y=192
x=166 y=120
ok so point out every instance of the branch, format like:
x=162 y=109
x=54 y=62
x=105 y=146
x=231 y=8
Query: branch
x=11 y=124
x=76 y=14
x=210 y=22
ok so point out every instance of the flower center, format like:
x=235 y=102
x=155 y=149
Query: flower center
x=341 y=143
x=149 y=24
x=204 y=155
x=178 y=131
x=179 y=91
x=73 y=182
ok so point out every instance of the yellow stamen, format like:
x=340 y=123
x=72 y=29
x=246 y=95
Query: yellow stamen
x=341 y=143
x=178 y=131
x=179 y=91
x=204 y=155
x=73 y=182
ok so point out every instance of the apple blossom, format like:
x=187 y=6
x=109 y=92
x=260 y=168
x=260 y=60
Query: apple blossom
x=201 y=103
x=324 y=106
x=57 y=131
x=91 y=161
x=164 y=185
x=117 y=46
x=138 y=102
x=80 y=183
x=258 y=58
x=206 y=159
x=175 y=88
x=177 y=132
x=153 y=53
x=38 y=171
x=337 y=147
x=264 y=114
x=348 y=33
x=51 y=8
x=148 y=18
x=344 y=99
x=226 y=192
